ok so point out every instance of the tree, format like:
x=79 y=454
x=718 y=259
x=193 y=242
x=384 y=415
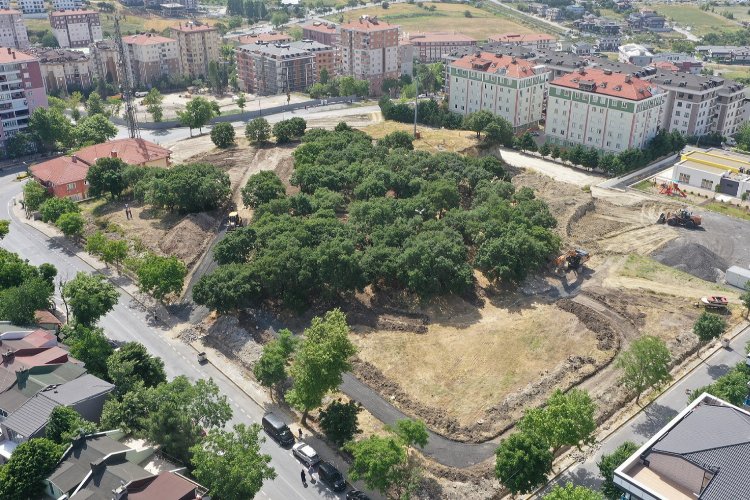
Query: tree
x=49 y=40
x=609 y=463
x=258 y=130
x=94 y=129
x=65 y=424
x=161 y=276
x=526 y=142
x=241 y=101
x=279 y=18
x=321 y=360
x=90 y=297
x=131 y=365
x=114 y=252
x=709 y=326
x=34 y=194
x=412 y=432
x=198 y=112
x=32 y=461
x=91 y=346
x=231 y=287
x=236 y=247
x=153 y=102
x=106 y=175
x=397 y=139
x=567 y=419
x=645 y=364
x=572 y=492
x=191 y=187
x=71 y=223
x=287 y=130
x=544 y=149
x=324 y=76
x=53 y=208
x=339 y=421
x=50 y=128
x=18 y=304
x=378 y=461
x=477 y=121
x=222 y=135
x=270 y=370
x=522 y=462
x=231 y=464
x=95 y=105
x=4 y=228
x=262 y=188
x=21 y=144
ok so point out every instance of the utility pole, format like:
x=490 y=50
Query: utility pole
x=126 y=85
x=416 y=104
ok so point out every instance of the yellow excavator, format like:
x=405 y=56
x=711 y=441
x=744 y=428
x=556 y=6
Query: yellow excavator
x=572 y=260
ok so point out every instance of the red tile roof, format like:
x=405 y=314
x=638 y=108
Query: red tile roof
x=131 y=151
x=665 y=65
x=9 y=11
x=321 y=27
x=192 y=27
x=7 y=53
x=440 y=37
x=146 y=39
x=366 y=23
x=43 y=316
x=81 y=12
x=521 y=38
x=167 y=485
x=61 y=170
x=612 y=84
x=263 y=37
x=488 y=62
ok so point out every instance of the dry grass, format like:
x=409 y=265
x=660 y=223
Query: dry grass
x=446 y=17
x=700 y=22
x=433 y=140
x=470 y=358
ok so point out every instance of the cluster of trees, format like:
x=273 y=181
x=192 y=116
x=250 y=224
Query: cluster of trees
x=342 y=86
x=429 y=112
x=62 y=212
x=259 y=131
x=252 y=10
x=24 y=288
x=428 y=78
x=415 y=221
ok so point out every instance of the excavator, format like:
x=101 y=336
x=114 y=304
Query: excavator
x=683 y=217
x=671 y=189
x=572 y=260
x=234 y=221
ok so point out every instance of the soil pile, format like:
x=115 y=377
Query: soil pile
x=693 y=258
x=186 y=240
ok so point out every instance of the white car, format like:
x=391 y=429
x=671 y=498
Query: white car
x=306 y=454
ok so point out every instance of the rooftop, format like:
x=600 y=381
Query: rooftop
x=718 y=159
x=606 y=82
x=131 y=151
x=84 y=387
x=191 y=27
x=60 y=170
x=31 y=416
x=321 y=27
x=285 y=50
x=5 y=12
x=428 y=37
x=167 y=485
x=47 y=55
x=496 y=63
x=10 y=55
x=46 y=317
x=310 y=45
x=263 y=37
x=368 y=23
x=79 y=12
x=146 y=39
x=687 y=81
x=522 y=37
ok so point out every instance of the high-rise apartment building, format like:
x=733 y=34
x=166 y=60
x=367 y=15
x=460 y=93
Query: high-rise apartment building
x=105 y=61
x=150 y=57
x=31 y=6
x=267 y=69
x=369 y=51
x=64 y=70
x=21 y=91
x=76 y=28
x=430 y=47
x=324 y=56
x=67 y=4
x=13 y=30
x=198 y=46
x=325 y=33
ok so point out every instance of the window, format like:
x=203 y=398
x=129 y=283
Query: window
x=707 y=184
x=684 y=178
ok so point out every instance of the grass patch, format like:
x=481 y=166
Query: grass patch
x=646 y=268
x=700 y=22
x=727 y=209
x=431 y=139
x=644 y=185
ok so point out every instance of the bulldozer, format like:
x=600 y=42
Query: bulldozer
x=234 y=221
x=683 y=217
x=572 y=260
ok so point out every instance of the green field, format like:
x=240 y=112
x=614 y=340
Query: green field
x=731 y=71
x=700 y=22
x=727 y=209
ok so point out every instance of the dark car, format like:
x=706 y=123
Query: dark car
x=331 y=477
x=356 y=495
x=277 y=429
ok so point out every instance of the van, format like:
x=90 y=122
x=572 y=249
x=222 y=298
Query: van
x=277 y=429
x=141 y=94
x=331 y=477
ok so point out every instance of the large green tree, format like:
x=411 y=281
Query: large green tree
x=51 y=128
x=477 y=121
x=153 y=102
x=18 y=304
x=258 y=130
x=320 y=361
x=107 y=175
x=91 y=346
x=262 y=188
x=567 y=419
x=65 y=423
x=644 y=364
x=523 y=462
x=380 y=462
x=222 y=135
x=197 y=113
x=161 y=276
x=609 y=463
x=270 y=369
x=32 y=461
x=572 y=492
x=90 y=297
x=131 y=365
x=94 y=129
x=34 y=194
x=339 y=421
x=709 y=326
x=95 y=105
x=4 y=228
x=53 y=208
x=71 y=223
x=236 y=246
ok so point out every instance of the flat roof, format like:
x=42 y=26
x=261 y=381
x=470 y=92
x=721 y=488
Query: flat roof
x=147 y=39
x=701 y=167
x=79 y=12
x=718 y=158
x=439 y=36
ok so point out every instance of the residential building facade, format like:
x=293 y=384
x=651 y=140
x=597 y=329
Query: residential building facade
x=608 y=43
x=151 y=57
x=324 y=56
x=267 y=69
x=76 y=28
x=504 y=85
x=105 y=61
x=369 y=51
x=32 y=6
x=67 y=4
x=634 y=54
x=430 y=47
x=21 y=91
x=528 y=40
x=270 y=37
x=198 y=46
x=12 y=30
x=325 y=33
x=65 y=70
x=603 y=110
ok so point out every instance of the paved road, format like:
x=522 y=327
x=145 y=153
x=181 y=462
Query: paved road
x=128 y=321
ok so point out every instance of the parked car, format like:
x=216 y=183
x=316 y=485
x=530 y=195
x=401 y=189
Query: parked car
x=356 y=495
x=305 y=454
x=277 y=429
x=331 y=477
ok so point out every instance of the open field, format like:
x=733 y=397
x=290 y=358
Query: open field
x=446 y=17
x=728 y=209
x=700 y=22
x=731 y=71
x=432 y=139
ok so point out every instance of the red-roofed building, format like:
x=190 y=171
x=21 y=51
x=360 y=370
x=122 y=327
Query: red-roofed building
x=430 y=47
x=137 y=152
x=151 y=57
x=76 y=28
x=166 y=486
x=198 y=44
x=47 y=320
x=603 y=110
x=271 y=37
x=504 y=85
x=325 y=33
x=528 y=40
x=21 y=93
x=369 y=51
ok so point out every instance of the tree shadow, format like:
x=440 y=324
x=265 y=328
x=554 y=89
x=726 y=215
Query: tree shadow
x=716 y=371
x=580 y=476
x=656 y=417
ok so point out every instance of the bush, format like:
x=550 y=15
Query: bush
x=222 y=135
x=258 y=130
x=190 y=187
x=71 y=223
x=53 y=208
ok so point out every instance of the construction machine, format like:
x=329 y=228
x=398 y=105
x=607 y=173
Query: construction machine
x=572 y=260
x=234 y=221
x=671 y=189
x=682 y=217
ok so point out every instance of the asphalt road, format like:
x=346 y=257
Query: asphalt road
x=129 y=322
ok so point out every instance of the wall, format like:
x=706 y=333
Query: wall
x=678 y=470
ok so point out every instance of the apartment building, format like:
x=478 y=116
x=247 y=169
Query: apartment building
x=12 y=29
x=4 y=4
x=634 y=53
x=603 y=110
x=527 y=40
x=324 y=56
x=369 y=51
x=608 y=43
x=67 y=4
x=730 y=107
x=105 y=61
x=270 y=37
x=405 y=58
x=430 y=47
x=76 y=28
x=325 y=33
x=504 y=85
x=65 y=70
x=647 y=19
x=198 y=45
x=21 y=91
x=32 y=6
x=267 y=69
x=150 y=57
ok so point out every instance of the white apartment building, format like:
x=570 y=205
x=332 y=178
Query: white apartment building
x=198 y=46
x=504 y=85
x=4 y=4
x=13 y=30
x=31 y=6
x=76 y=28
x=603 y=110
x=67 y=4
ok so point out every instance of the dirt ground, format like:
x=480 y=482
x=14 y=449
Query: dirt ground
x=432 y=139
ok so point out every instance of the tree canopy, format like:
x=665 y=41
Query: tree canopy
x=609 y=463
x=131 y=365
x=65 y=423
x=107 y=175
x=90 y=296
x=34 y=194
x=339 y=421
x=187 y=188
x=572 y=492
x=24 y=288
x=567 y=419
x=644 y=364
x=261 y=188
x=258 y=130
x=709 y=326
x=522 y=463
x=160 y=276
x=91 y=346
x=197 y=113
x=222 y=135
x=31 y=462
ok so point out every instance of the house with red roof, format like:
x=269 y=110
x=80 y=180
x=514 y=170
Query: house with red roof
x=505 y=85
x=603 y=110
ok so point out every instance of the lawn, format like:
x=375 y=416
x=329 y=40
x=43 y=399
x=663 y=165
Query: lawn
x=446 y=17
x=431 y=139
x=727 y=209
x=700 y=22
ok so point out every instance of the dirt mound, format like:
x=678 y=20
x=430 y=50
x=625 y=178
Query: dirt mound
x=693 y=258
x=228 y=337
x=189 y=234
x=606 y=335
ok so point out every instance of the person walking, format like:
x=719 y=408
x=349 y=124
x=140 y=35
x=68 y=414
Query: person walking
x=304 y=478
x=299 y=432
x=310 y=471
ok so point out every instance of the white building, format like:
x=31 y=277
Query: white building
x=67 y=4
x=714 y=170
x=634 y=54
x=504 y=85
x=76 y=28
x=13 y=30
x=603 y=110
x=32 y=6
